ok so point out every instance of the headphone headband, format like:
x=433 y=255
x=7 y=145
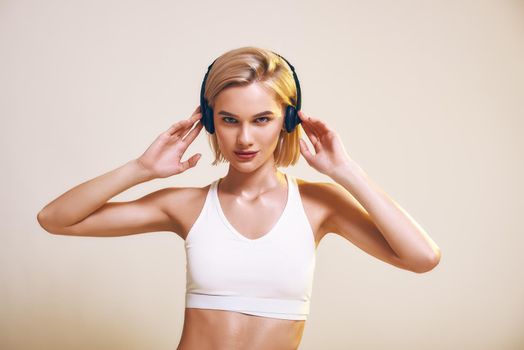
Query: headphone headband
x=297 y=84
x=291 y=119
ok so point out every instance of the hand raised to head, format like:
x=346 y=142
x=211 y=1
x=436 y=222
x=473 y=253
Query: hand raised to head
x=163 y=157
x=329 y=149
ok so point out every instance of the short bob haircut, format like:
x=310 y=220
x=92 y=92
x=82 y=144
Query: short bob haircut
x=246 y=65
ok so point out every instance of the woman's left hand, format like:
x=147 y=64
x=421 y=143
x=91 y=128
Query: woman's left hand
x=329 y=149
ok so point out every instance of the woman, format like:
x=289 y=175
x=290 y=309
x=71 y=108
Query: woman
x=250 y=236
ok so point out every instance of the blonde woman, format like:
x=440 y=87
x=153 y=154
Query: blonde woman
x=250 y=236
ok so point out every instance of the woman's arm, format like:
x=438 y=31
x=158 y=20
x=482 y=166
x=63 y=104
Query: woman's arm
x=84 y=209
x=361 y=211
x=79 y=202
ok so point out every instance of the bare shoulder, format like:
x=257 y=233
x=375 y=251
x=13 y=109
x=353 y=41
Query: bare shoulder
x=315 y=200
x=183 y=205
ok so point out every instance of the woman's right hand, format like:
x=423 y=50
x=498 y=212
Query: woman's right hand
x=163 y=158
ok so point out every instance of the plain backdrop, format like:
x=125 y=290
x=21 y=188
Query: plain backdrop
x=427 y=97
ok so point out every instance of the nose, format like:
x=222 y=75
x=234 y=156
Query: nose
x=244 y=136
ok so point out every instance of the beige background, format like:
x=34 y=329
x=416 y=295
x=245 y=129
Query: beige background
x=427 y=97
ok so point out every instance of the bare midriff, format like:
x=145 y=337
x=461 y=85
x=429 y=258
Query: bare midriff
x=205 y=329
x=221 y=329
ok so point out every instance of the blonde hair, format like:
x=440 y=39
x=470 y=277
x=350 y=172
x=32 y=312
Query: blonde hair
x=243 y=66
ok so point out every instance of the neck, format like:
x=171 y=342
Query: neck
x=254 y=183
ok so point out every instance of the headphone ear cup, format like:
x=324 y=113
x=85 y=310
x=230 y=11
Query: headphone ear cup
x=291 y=118
x=207 y=119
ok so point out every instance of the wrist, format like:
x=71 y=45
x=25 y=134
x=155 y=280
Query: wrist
x=141 y=172
x=348 y=168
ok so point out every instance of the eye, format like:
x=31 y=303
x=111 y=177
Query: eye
x=268 y=119
x=234 y=120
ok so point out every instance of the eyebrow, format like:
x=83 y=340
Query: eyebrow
x=256 y=115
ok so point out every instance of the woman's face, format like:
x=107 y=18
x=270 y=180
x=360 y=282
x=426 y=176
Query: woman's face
x=247 y=118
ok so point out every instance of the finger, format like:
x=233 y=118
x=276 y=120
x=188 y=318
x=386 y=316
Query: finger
x=196 y=110
x=193 y=133
x=305 y=124
x=194 y=118
x=191 y=162
x=312 y=137
x=191 y=123
x=177 y=126
x=321 y=128
x=183 y=125
x=301 y=116
x=320 y=125
x=179 y=133
x=310 y=133
x=196 y=114
x=305 y=150
x=314 y=124
x=173 y=128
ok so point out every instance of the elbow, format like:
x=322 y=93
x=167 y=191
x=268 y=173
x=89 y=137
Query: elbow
x=40 y=217
x=428 y=264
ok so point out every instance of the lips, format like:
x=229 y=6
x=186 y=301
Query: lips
x=246 y=153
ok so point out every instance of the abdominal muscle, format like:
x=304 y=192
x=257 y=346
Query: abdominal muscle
x=221 y=329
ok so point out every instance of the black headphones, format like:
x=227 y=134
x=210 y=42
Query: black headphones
x=291 y=119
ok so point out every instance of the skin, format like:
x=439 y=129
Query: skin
x=222 y=329
x=258 y=190
x=248 y=179
x=353 y=207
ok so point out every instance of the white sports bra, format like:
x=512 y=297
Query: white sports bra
x=271 y=276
